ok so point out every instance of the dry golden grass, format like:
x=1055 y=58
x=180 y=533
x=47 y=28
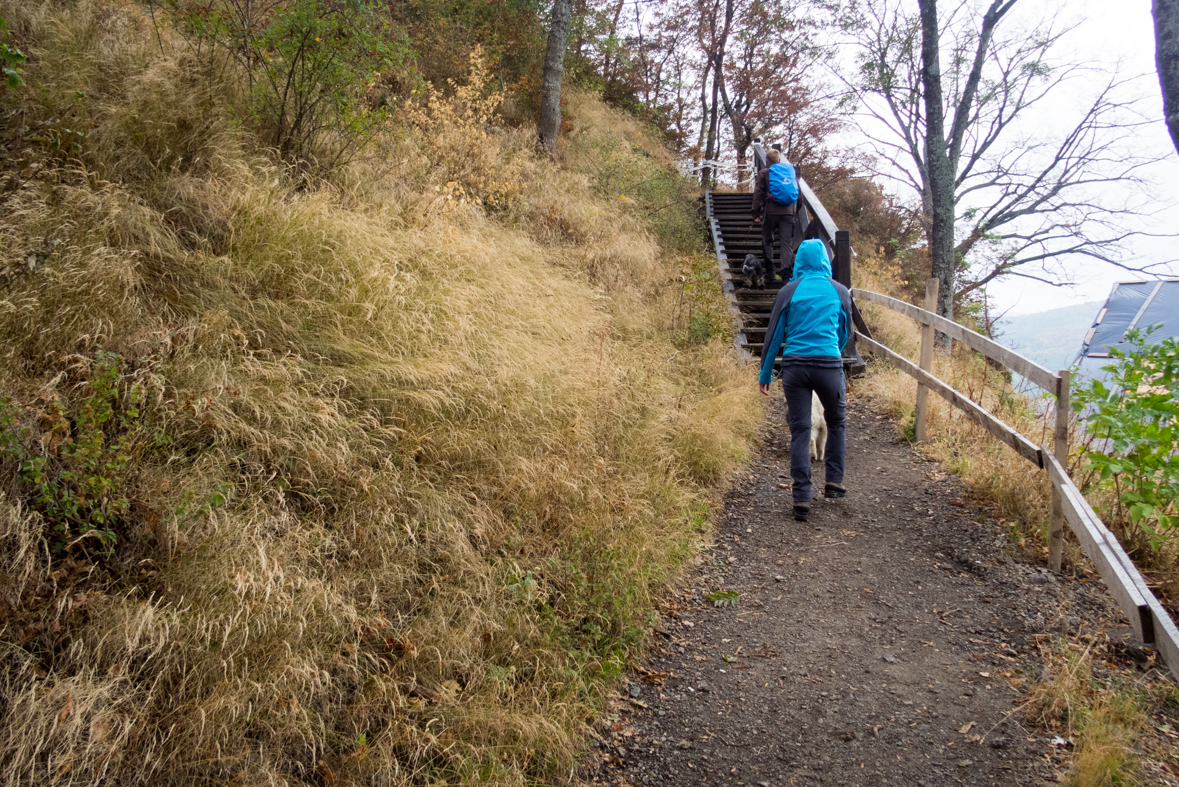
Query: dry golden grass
x=1103 y=719
x=464 y=448
x=991 y=469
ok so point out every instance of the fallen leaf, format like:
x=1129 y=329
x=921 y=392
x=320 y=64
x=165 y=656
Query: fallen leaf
x=99 y=729
x=965 y=728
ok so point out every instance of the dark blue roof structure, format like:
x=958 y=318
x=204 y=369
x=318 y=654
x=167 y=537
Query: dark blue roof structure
x=1134 y=304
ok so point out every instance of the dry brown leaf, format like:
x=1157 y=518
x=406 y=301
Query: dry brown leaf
x=99 y=729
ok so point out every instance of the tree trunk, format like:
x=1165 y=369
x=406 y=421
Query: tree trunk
x=1166 y=58
x=608 y=65
x=940 y=168
x=710 y=149
x=549 y=127
x=703 y=105
x=742 y=134
x=578 y=46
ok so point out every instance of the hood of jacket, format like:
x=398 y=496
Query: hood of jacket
x=811 y=259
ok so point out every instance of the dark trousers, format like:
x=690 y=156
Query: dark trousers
x=784 y=227
x=798 y=382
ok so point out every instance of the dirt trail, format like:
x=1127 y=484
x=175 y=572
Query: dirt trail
x=886 y=641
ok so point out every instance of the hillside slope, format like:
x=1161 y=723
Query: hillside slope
x=373 y=479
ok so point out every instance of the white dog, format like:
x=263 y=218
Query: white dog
x=818 y=429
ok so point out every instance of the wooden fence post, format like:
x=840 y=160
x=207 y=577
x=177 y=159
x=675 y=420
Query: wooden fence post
x=841 y=269
x=1060 y=449
x=926 y=361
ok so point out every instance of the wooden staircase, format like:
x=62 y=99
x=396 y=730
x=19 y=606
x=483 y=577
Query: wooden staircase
x=734 y=235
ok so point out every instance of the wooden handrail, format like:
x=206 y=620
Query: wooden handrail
x=1055 y=383
x=1031 y=370
x=726 y=276
x=1118 y=572
x=816 y=207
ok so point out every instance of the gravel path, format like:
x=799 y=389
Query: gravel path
x=886 y=641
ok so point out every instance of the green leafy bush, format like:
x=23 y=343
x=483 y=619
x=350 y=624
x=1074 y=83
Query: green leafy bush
x=1133 y=422
x=72 y=461
x=320 y=72
x=704 y=315
x=10 y=59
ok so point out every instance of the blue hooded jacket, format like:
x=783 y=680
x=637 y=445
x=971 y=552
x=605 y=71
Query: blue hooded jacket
x=812 y=315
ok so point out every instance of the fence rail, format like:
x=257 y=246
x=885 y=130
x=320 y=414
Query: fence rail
x=992 y=349
x=1020 y=444
x=1145 y=613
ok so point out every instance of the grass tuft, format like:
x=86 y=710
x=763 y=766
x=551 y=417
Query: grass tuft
x=1101 y=719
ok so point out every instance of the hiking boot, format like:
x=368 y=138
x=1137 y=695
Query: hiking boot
x=801 y=511
x=833 y=491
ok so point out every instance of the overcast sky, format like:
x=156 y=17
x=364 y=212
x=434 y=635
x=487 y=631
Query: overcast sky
x=1109 y=32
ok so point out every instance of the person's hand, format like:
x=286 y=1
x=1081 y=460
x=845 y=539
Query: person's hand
x=757 y=220
x=764 y=388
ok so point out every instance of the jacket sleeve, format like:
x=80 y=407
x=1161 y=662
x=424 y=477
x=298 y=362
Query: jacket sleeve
x=775 y=332
x=759 y=193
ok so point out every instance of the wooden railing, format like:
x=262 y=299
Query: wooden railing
x=1149 y=619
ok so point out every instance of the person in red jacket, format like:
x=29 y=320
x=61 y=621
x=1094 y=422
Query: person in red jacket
x=774 y=217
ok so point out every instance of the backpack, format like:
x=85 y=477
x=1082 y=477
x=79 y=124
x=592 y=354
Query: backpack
x=783 y=184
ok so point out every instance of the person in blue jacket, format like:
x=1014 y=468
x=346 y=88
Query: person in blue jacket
x=810 y=324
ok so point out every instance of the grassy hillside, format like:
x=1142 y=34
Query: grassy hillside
x=372 y=476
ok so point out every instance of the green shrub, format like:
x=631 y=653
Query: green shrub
x=10 y=59
x=319 y=71
x=704 y=314
x=1134 y=421
x=72 y=461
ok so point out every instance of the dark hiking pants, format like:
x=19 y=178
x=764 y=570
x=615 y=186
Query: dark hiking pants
x=798 y=382
x=783 y=226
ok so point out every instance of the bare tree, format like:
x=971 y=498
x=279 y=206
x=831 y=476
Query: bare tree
x=1166 y=56
x=713 y=70
x=767 y=80
x=549 y=126
x=944 y=102
x=714 y=24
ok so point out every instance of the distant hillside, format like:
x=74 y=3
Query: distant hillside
x=1052 y=338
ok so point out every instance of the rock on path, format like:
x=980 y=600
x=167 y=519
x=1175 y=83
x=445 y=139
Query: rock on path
x=886 y=641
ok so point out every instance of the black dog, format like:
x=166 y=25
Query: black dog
x=754 y=272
